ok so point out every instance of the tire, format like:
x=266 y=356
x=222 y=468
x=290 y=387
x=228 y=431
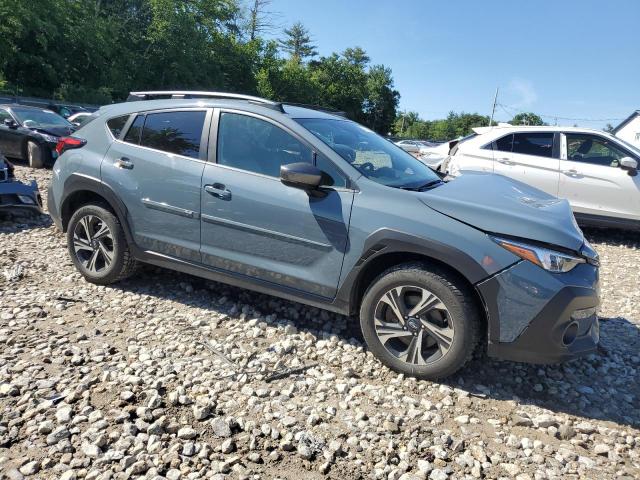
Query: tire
x=35 y=155
x=417 y=345
x=97 y=245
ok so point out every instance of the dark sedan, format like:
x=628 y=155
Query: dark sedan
x=31 y=133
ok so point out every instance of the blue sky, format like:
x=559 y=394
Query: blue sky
x=578 y=59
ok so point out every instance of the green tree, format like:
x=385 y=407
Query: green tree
x=356 y=56
x=526 y=118
x=298 y=43
x=381 y=100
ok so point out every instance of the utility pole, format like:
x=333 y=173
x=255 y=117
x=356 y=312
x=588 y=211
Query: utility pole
x=493 y=110
x=402 y=126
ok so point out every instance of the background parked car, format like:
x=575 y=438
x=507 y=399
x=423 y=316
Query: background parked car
x=66 y=111
x=81 y=118
x=434 y=154
x=594 y=170
x=411 y=146
x=15 y=196
x=31 y=134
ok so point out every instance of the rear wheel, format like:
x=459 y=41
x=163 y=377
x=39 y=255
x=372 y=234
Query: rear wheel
x=35 y=155
x=423 y=323
x=98 y=246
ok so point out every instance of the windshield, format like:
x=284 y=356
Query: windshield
x=373 y=156
x=32 y=118
x=628 y=145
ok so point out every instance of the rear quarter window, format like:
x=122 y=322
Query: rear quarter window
x=116 y=124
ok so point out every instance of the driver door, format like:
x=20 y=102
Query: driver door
x=592 y=180
x=254 y=225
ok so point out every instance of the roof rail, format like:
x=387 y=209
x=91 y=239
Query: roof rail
x=164 y=94
x=319 y=108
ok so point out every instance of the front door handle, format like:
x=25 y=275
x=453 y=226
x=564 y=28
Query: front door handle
x=572 y=173
x=505 y=161
x=218 y=190
x=125 y=163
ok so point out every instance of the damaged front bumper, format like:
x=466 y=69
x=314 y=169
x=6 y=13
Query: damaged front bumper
x=17 y=197
x=541 y=317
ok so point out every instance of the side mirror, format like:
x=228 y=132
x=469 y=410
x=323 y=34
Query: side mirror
x=9 y=122
x=301 y=175
x=629 y=164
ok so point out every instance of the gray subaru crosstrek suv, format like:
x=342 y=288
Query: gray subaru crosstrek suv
x=304 y=204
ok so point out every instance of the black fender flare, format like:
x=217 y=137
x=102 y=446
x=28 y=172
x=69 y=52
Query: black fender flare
x=385 y=241
x=78 y=182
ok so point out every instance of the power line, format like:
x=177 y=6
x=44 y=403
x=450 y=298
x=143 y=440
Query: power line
x=559 y=117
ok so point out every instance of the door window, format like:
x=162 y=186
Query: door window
x=174 y=132
x=593 y=149
x=332 y=177
x=255 y=145
x=133 y=134
x=504 y=144
x=539 y=144
x=4 y=115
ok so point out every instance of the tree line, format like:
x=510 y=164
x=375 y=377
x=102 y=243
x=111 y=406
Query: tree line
x=455 y=125
x=96 y=51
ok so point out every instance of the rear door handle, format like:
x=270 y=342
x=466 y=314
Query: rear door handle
x=125 y=163
x=571 y=173
x=505 y=161
x=218 y=190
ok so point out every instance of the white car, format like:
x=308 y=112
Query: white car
x=433 y=156
x=411 y=146
x=595 y=171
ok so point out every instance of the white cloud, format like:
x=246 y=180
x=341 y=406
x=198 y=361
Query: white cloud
x=521 y=93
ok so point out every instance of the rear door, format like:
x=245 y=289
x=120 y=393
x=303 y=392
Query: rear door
x=529 y=157
x=592 y=180
x=155 y=167
x=254 y=225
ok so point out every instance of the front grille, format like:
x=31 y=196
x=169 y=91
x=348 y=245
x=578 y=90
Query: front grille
x=9 y=199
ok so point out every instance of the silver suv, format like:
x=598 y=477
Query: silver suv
x=307 y=205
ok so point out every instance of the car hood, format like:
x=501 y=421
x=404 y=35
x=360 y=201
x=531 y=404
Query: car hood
x=57 y=131
x=500 y=205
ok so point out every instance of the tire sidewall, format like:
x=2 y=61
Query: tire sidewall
x=119 y=244
x=439 y=286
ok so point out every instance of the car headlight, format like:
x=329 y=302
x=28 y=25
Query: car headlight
x=551 y=260
x=49 y=138
x=26 y=199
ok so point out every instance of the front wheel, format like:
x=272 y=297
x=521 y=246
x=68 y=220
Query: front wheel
x=98 y=246
x=420 y=322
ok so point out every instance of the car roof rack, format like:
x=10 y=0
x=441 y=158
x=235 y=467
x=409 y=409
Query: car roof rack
x=319 y=108
x=185 y=94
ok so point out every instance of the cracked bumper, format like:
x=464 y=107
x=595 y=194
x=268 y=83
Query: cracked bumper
x=540 y=317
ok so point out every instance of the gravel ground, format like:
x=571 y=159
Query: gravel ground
x=125 y=381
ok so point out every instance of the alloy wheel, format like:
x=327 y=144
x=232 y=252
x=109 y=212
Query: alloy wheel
x=413 y=325
x=93 y=243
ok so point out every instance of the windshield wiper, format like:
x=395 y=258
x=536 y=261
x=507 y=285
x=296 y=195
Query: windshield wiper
x=426 y=186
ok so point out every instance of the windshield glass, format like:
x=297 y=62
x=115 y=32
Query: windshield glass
x=39 y=118
x=373 y=156
x=631 y=147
